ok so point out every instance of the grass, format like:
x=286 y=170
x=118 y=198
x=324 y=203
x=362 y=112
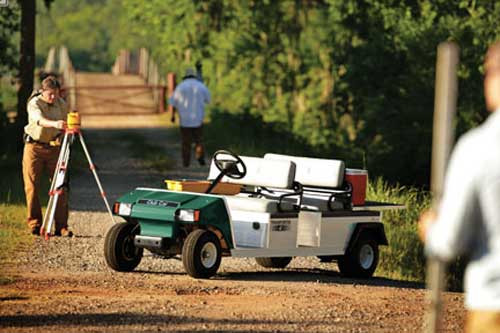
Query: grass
x=14 y=233
x=150 y=156
x=404 y=257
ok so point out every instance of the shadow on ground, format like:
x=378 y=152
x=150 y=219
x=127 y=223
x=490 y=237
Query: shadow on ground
x=303 y=275
x=132 y=319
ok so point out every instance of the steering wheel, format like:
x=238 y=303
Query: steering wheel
x=229 y=167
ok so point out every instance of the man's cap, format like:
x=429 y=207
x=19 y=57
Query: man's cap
x=190 y=73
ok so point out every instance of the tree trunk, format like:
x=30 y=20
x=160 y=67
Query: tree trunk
x=27 y=59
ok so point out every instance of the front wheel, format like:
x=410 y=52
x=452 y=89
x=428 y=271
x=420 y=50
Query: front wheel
x=273 y=262
x=361 y=261
x=201 y=254
x=119 y=250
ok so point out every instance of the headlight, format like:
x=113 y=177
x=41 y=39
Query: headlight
x=122 y=209
x=188 y=215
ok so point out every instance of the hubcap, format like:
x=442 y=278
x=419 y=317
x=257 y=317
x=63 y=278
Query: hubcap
x=366 y=256
x=129 y=250
x=208 y=255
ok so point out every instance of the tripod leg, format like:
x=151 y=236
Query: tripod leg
x=50 y=204
x=59 y=188
x=56 y=186
x=92 y=167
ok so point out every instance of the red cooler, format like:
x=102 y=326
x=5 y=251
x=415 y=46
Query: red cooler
x=358 y=179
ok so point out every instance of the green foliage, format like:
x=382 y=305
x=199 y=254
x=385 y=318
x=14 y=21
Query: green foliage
x=404 y=257
x=9 y=27
x=250 y=135
x=93 y=31
x=354 y=79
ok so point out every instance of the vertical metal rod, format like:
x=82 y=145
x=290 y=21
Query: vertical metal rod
x=442 y=139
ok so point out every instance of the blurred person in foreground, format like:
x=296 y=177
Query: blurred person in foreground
x=468 y=219
x=47 y=113
x=190 y=98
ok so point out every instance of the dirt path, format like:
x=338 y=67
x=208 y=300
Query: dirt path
x=64 y=284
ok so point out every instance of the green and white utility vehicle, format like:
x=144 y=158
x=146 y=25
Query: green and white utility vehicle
x=288 y=206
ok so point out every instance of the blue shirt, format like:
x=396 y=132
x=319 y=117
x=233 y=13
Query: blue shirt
x=189 y=98
x=469 y=214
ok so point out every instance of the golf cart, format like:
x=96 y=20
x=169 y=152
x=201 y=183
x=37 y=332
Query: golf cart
x=272 y=208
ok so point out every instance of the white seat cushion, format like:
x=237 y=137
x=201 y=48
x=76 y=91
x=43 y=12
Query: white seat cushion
x=314 y=171
x=236 y=202
x=260 y=172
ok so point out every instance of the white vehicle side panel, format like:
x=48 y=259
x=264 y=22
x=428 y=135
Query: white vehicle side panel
x=250 y=229
x=335 y=235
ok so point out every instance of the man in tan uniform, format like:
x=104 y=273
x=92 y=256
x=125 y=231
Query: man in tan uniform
x=47 y=112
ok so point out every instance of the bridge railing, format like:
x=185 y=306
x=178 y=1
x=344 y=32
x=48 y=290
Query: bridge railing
x=59 y=63
x=140 y=63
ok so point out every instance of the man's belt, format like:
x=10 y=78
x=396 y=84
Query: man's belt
x=28 y=139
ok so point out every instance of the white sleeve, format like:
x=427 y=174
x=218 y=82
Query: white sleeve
x=450 y=235
x=34 y=112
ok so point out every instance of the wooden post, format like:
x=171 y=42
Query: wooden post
x=442 y=140
x=161 y=100
x=170 y=89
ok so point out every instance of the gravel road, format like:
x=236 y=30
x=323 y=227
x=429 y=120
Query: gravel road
x=64 y=285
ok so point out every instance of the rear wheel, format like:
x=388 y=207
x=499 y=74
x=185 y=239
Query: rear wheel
x=201 y=254
x=273 y=262
x=119 y=250
x=361 y=261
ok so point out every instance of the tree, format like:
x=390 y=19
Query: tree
x=26 y=59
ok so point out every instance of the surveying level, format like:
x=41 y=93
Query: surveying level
x=71 y=131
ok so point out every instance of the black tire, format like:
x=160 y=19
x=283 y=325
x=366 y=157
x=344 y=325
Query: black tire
x=119 y=250
x=201 y=254
x=273 y=262
x=362 y=260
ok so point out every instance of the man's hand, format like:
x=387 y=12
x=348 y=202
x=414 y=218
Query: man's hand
x=426 y=219
x=59 y=124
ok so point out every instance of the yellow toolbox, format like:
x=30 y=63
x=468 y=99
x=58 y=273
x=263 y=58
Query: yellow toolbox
x=200 y=186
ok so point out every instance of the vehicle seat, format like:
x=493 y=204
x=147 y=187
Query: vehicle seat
x=321 y=180
x=260 y=173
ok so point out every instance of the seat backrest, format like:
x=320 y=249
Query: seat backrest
x=260 y=172
x=317 y=172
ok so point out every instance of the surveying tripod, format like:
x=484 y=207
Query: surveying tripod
x=57 y=186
